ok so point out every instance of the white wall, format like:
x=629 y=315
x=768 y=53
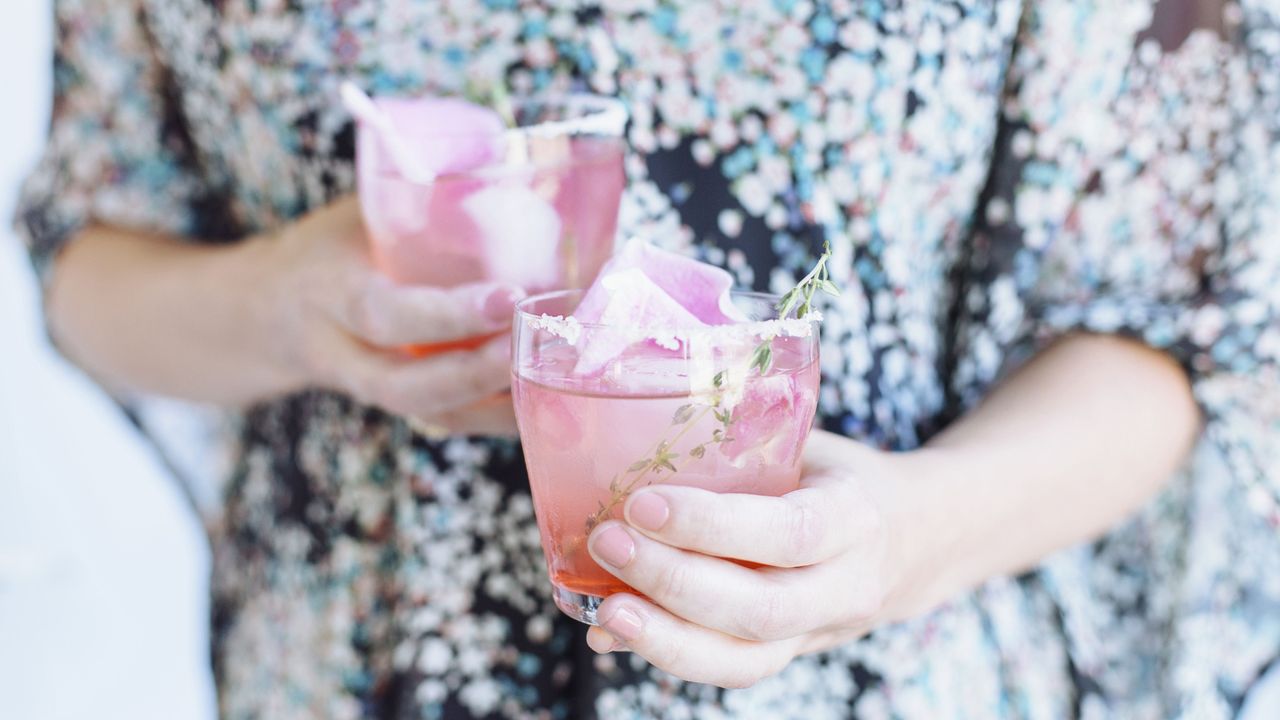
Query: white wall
x=103 y=568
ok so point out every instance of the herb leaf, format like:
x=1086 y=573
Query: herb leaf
x=762 y=358
x=683 y=413
x=800 y=301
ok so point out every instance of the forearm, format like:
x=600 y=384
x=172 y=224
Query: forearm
x=1066 y=448
x=154 y=314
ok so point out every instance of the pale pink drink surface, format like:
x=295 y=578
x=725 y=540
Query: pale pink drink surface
x=589 y=441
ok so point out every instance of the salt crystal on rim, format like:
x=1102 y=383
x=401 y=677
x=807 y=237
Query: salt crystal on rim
x=664 y=301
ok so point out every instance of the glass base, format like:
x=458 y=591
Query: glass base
x=576 y=605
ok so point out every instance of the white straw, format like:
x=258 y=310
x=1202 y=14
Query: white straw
x=363 y=108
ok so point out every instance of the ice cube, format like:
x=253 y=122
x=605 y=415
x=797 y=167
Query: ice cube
x=520 y=231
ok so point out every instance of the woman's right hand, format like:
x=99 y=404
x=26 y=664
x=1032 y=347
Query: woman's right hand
x=336 y=322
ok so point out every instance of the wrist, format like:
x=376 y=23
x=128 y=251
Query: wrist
x=258 y=270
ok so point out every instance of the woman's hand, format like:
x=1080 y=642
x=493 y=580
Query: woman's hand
x=830 y=557
x=337 y=323
x=1060 y=452
x=239 y=323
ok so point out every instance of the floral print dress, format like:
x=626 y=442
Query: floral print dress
x=991 y=174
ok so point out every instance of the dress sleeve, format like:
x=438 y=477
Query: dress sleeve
x=1134 y=191
x=118 y=152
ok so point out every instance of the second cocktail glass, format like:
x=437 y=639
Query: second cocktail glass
x=539 y=212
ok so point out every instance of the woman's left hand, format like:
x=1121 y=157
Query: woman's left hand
x=829 y=557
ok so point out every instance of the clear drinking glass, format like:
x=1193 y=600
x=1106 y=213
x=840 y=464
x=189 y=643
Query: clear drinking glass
x=542 y=216
x=604 y=410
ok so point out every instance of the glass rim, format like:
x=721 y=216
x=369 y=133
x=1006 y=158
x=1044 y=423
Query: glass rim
x=605 y=121
x=812 y=319
x=604 y=115
x=493 y=171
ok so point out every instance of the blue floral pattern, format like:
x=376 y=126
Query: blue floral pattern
x=990 y=175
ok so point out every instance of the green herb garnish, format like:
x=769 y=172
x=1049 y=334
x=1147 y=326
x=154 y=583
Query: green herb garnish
x=661 y=459
x=800 y=301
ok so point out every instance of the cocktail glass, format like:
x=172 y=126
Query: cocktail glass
x=605 y=410
x=541 y=214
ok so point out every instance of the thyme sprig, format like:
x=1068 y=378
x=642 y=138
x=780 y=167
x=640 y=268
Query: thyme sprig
x=800 y=297
x=799 y=300
x=661 y=458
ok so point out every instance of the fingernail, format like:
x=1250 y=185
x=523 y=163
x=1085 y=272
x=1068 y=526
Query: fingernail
x=648 y=510
x=614 y=546
x=602 y=642
x=623 y=624
x=500 y=303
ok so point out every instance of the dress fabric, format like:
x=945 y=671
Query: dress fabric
x=990 y=175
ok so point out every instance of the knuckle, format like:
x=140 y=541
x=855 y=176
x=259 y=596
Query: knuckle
x=673 y=581
x=769 y=617
x=673 y=658
x=488 y=373
x=448 y=320
x=802 y=533
x=365 y=311
x=478 y=380
x=705 y=523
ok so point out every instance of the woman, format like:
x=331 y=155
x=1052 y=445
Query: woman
x=1009 y=184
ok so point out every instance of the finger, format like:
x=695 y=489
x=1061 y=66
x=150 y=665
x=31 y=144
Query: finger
x=686 y=650
x=492 y=416
x=804 y=527
x=770 y=604
x=429 y=387
x=385 y=314
x=599 y=640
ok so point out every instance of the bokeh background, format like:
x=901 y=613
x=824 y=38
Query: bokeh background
x=103 y=560
x=103 y=565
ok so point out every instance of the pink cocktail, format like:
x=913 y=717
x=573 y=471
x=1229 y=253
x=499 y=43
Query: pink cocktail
x=534 y=205
x=604 y=410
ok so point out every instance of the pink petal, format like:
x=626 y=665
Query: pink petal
x=644 y=287
x=451 y=135
x=758 y=419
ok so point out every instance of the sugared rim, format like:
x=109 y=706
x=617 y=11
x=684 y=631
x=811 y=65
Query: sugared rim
x=605 y=116
x=571 y=328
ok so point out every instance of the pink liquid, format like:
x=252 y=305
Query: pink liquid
x=583 y=440
x=546 y=225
